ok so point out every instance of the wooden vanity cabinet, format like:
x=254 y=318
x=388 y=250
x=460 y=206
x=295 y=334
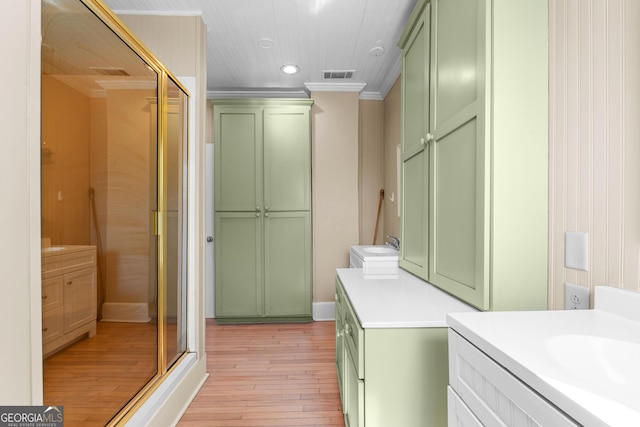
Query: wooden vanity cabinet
x=69 y=300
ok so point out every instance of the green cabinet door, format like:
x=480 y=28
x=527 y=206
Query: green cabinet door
x=415 y=124
x=238 y=155
x=287 y=264
x=287 y=159
x=458 y=181
x=239 y=257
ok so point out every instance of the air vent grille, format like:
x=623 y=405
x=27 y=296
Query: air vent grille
x=339 y=74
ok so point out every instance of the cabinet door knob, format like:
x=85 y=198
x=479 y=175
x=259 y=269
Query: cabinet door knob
x=70 y=282
x=266 y=208
x=45 y=329
x=430 y=137
x=422 y=142
x=257 y=214
x=44 y=296
x=347 y=329
x=266 y=214
x=257 y=208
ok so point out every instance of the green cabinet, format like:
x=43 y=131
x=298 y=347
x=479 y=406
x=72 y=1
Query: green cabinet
x=458 y=256
x=485 y=151
x=391 y=376
x=263 y=210
x=415 y=158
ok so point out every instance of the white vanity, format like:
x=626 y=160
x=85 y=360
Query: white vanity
x=547 y=368
x=69 y=303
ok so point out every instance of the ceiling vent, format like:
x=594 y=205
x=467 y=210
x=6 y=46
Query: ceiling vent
x=110 y=71
x=339 y=74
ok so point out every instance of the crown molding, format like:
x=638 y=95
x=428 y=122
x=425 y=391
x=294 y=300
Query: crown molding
x=335 y=87
x=371 y=96
x=257 y=93
x=127 y=84
x=391 y=77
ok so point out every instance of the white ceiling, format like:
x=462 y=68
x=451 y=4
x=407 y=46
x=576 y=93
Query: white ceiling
x=316 y=35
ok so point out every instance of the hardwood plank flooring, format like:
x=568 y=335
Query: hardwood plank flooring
x=95 y=377
x=268 y=375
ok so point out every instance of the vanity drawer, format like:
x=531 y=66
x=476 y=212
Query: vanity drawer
x=52 y=324
x=354 y=337
x=458 y=413
x=52 y=293
x=493 y=394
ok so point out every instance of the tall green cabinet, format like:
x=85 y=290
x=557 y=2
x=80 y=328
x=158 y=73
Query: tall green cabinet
x=414 y=222
x=262 y=197
x=474 y=150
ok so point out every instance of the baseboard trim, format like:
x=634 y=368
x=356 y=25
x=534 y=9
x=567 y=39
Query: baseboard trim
x=134 y=312
x=324 y=311
x=321 y=312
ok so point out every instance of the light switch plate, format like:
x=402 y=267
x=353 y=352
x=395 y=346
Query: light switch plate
x=576 y=297
x=576 y=250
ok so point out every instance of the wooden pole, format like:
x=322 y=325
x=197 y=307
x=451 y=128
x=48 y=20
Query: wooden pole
x=375 y=233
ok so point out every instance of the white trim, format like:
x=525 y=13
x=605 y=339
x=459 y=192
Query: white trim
x=391 y=77
x=179 y=388
x=193 y=240
x=335 y=87
x=135 y=312
x=323 y=311
x=127 y=84
x=371 y=96
x=258 y=93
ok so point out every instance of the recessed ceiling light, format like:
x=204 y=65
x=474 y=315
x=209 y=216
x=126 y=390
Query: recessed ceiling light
x=376 y=51
x=290 y=69
x=265 y=43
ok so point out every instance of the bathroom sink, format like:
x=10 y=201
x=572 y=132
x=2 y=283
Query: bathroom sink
x=380 y=250
x=599 y=359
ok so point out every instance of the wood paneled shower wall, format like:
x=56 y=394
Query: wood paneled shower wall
x=594 y=151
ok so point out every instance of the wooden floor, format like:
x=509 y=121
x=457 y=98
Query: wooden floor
x=268 y=375
x=95 y=377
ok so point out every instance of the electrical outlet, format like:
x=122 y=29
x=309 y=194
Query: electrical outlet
x=576 y=297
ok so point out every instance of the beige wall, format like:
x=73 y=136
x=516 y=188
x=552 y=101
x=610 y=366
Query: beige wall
x=379 y=127
x=334 y=118
x=371 y=170
x=595 y=141
x=66 y=128
x=392 y=135
x=130 y=165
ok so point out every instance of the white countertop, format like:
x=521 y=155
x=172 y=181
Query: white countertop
x=586 y=362
x=402 y=301
x=375 y=252
x=64 y=249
